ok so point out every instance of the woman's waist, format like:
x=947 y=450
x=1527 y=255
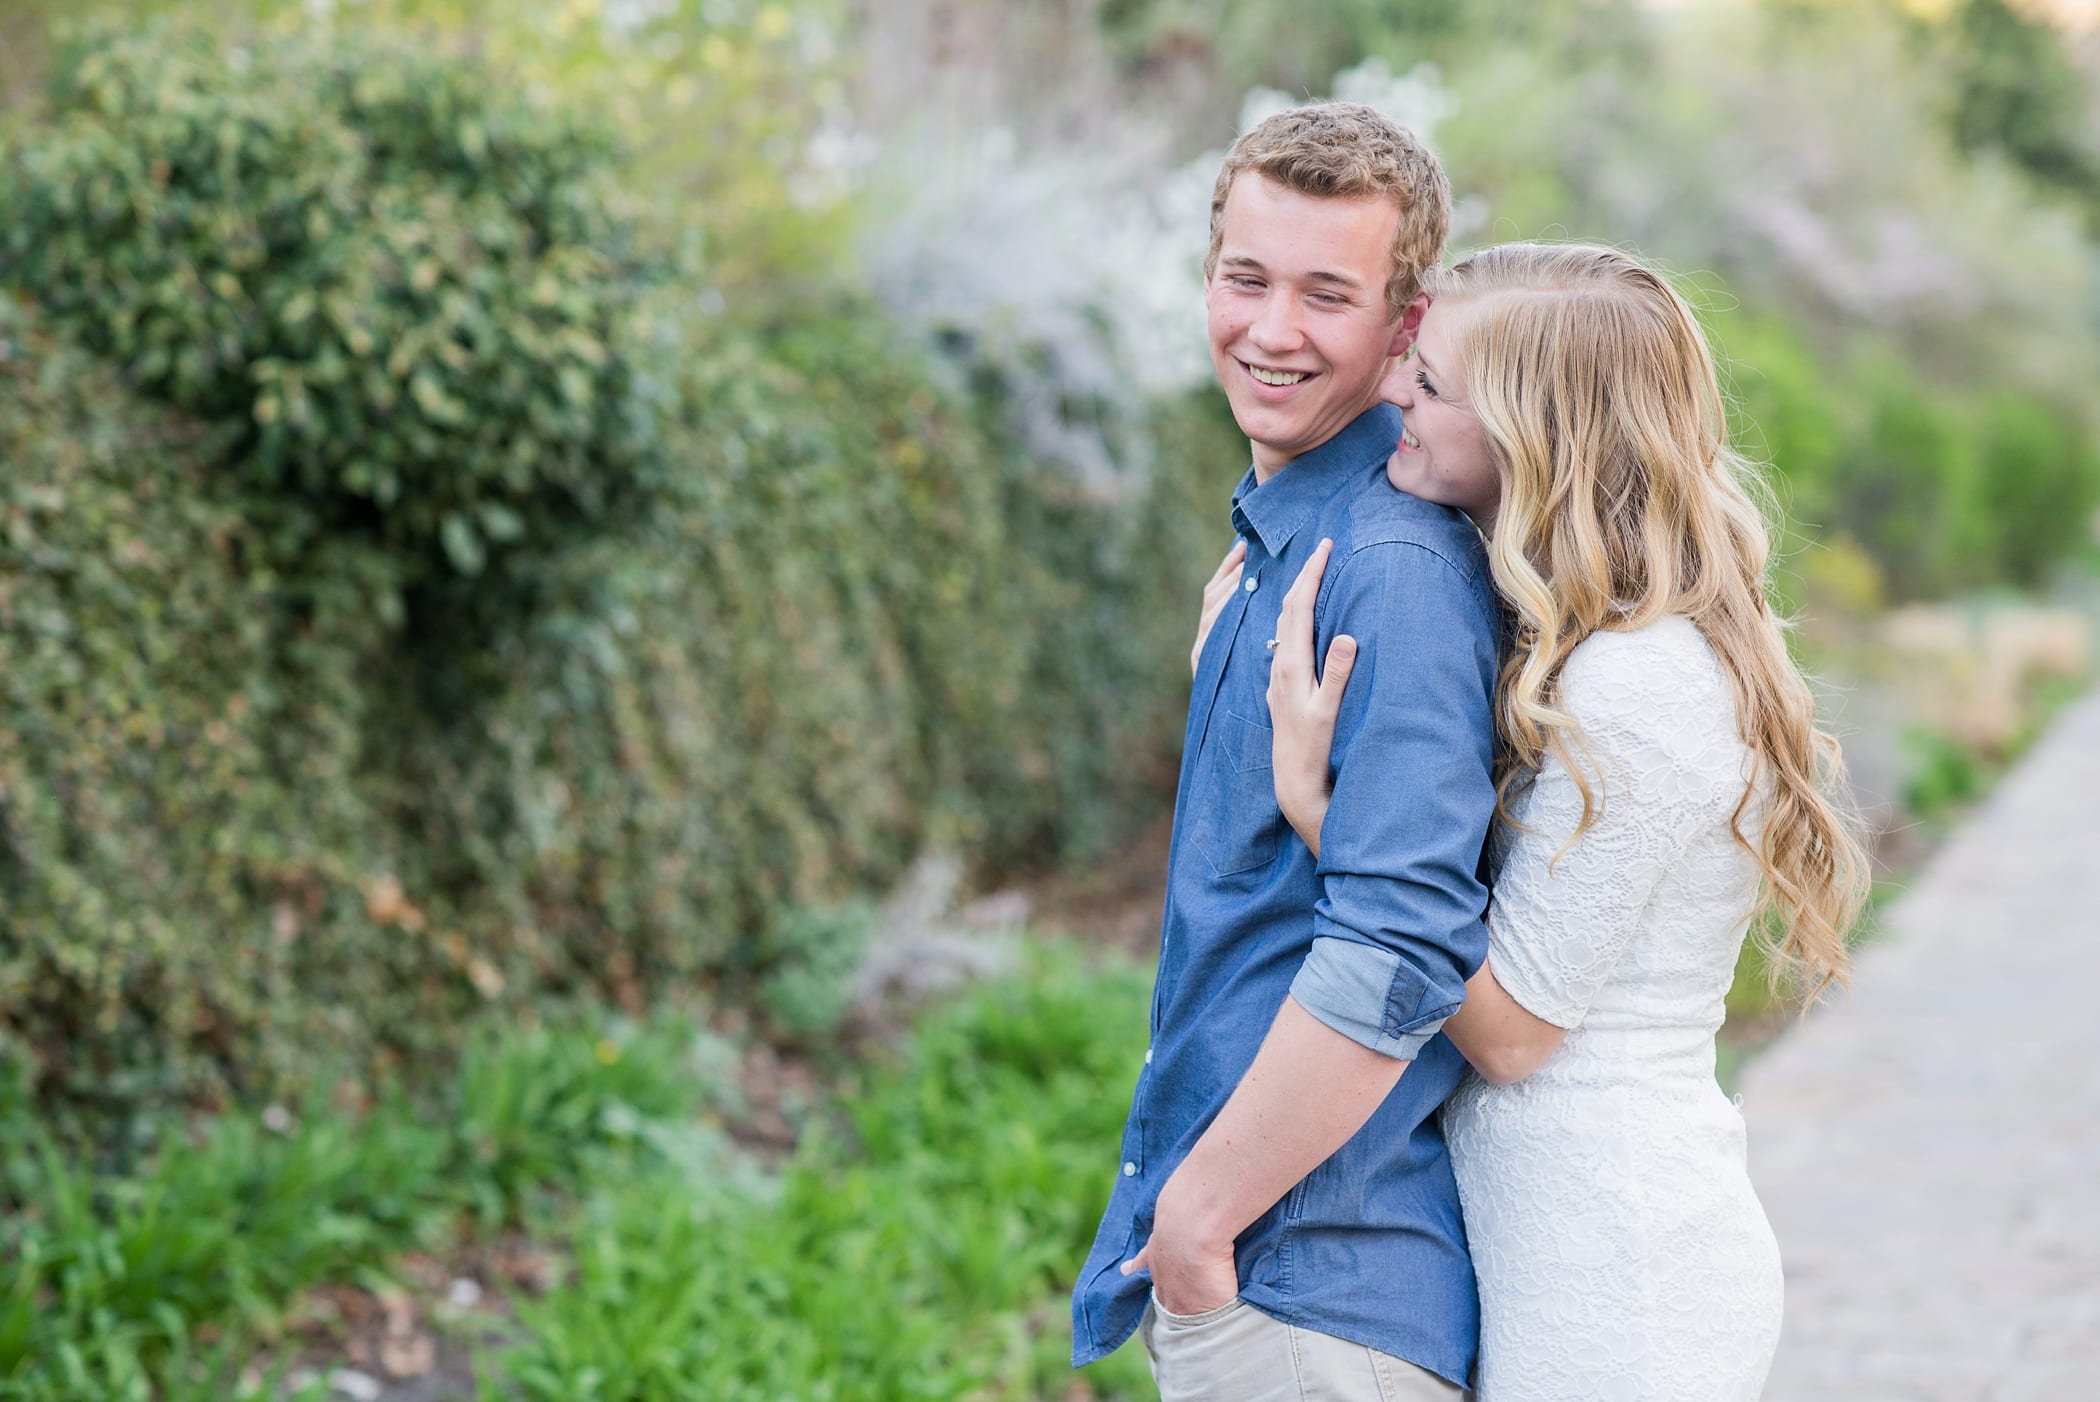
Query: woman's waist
x=1568 y=1119
x=1651 y=1057
x=1616 y=1075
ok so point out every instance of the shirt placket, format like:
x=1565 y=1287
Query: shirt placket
x=1215 y=663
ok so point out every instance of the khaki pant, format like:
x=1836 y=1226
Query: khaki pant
x=1235 y=1353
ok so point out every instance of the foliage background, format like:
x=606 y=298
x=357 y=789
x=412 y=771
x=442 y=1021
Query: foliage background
x=521 y=515
x=649 y=623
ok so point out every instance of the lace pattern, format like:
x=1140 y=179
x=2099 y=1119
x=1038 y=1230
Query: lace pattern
x=1621 y=1253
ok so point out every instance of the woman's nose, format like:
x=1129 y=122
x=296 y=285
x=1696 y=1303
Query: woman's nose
x=1395 y=387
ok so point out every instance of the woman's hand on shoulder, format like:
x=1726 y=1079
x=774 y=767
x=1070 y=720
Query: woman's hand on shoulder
x=1302 y=707
x=1220 y=588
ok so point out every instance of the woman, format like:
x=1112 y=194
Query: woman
x=1663 y=789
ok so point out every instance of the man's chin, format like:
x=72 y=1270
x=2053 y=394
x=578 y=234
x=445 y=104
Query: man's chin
x=1279 y=439
x=1265 y=423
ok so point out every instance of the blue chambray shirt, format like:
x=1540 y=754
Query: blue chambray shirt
x=1376 y=939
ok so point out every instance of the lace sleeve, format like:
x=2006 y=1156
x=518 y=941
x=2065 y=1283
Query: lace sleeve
x=1655 y=736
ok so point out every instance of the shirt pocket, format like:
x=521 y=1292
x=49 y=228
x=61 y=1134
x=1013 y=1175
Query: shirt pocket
x=1235 y=822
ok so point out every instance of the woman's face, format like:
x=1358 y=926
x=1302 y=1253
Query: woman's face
x=1443 y=454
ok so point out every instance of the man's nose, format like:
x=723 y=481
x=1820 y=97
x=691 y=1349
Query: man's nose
x=1275 y=326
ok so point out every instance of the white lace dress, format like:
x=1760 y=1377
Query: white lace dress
x=1621 y=1252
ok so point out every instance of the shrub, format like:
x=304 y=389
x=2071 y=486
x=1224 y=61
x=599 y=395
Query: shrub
x=182 y=833
x=807 y=968
x=861 y=625
x=1943 y=490
x=250 y=824
x=2040 y=482
x=246 y=827
x=1908 y=484
x=404 y=287
x=1946 y=775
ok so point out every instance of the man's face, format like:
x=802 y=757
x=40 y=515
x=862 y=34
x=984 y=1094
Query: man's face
x=1299 y=331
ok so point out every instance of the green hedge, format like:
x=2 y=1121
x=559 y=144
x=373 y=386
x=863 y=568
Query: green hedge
x=182 y=830
x=406 y=287
x=247 y=834
x=252 y=825
x=1940 y=489
x=862 y=623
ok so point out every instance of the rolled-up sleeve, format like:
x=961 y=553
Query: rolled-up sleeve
x=1397 y=927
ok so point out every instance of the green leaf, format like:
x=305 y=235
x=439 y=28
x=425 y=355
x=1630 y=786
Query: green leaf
x=462 y=544
x=500 y=523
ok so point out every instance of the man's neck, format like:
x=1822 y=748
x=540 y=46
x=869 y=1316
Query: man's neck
x=1268 y=461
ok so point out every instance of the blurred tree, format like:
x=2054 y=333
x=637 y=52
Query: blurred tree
x=1786 y=413
x=734 y=112
x=2041 y=479
x=24 y=30
x=410 y=294
x=1911 y=487
x=2017 y=91
x=1246 y=43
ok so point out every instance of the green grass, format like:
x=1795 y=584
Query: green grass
x=920 y=1247
x=1946 y=776
x=167 y=1283
x=919 y=1243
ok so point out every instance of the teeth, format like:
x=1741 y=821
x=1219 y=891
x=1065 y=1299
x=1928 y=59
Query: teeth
x=1276 y=377
x=1407 y=436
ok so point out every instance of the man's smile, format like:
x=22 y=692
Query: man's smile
x=1279 y=379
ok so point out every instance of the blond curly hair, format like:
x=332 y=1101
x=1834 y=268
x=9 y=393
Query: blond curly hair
x=1623 y=501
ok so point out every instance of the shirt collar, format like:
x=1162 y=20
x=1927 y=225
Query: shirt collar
x=1274 y=510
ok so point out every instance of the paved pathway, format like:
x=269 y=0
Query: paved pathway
x=1929 y=1149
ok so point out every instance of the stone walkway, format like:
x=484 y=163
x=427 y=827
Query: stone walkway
x=1929 y=1149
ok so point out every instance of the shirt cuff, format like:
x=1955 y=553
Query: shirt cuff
x=1371 y=996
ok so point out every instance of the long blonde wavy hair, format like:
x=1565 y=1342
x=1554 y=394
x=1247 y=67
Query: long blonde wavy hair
x=1623 y=502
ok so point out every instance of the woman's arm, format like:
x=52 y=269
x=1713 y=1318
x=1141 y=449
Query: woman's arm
x=1302 y=707
x=1494 y=1032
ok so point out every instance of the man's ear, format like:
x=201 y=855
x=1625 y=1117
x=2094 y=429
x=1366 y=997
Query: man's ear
x=1409 y=325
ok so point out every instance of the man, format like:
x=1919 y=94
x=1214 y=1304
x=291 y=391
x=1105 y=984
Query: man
x=1294 y=1209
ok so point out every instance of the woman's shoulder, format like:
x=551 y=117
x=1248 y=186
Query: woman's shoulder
x=1670 y=646
x=1646 y=682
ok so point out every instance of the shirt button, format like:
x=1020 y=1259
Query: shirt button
x=1251 y=582
x=1148 y=1056
x=1129 y=1169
